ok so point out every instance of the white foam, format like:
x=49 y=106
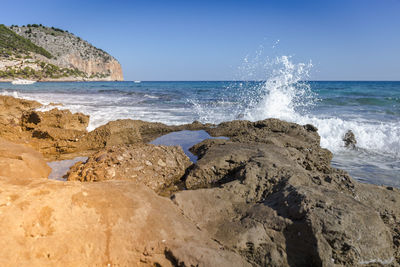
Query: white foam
x=10 y=93
x=151 y=96
x=284 y=96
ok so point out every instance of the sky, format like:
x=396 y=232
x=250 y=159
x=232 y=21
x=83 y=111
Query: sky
x=208 y=40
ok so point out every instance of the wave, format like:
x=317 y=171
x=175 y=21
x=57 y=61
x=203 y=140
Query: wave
x=284 y=95
x=10 y=93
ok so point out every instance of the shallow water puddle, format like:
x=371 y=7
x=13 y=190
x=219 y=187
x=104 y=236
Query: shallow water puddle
x=185 y=139
x=61 y=167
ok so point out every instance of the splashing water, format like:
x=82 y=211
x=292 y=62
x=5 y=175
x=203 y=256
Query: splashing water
x=285 y=94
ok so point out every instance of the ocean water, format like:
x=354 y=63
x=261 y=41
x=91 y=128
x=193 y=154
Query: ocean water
x=370 y=109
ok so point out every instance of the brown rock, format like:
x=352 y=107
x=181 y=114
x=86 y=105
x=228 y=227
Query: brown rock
x=59 y=134
x=268 y=196
x=19 y=161
x=55 y=118
x=121 y=132
x=158 y=167
x=55 y=132
x=115 y=223
x=11 y=110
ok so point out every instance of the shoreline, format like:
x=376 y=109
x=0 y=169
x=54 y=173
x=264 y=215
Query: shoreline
x=64 y=80
x=265 y=195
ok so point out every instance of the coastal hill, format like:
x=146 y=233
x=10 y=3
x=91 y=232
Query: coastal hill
x=51 y=54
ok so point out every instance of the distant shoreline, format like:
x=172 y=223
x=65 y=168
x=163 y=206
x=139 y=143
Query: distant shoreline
x=107 y=80
x=64 y=80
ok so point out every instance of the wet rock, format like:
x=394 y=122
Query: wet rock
x=349 y=139
x=19 y=161
x=158 y=167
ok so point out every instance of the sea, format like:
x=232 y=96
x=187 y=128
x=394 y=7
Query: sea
x=370 y=109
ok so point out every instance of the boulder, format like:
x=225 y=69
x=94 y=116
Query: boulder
x=55 y=118
x=55 y=132
x=11 y=110
x=19 y=161
x=158 y=167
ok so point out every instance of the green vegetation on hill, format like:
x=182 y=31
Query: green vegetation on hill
x=46 y=70
x=14 y=44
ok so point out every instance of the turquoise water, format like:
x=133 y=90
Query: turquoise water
x=370 y=109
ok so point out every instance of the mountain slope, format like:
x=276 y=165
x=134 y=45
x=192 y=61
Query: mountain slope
x=12 y=43
x=48 y=54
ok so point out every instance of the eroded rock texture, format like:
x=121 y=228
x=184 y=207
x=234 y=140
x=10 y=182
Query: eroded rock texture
x=158 y=167
x=271 y=195
x=268 y=196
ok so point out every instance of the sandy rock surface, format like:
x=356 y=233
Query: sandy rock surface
x=19 y=161
x=116 y=223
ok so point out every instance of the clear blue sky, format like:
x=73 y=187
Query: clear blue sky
x=207 y=40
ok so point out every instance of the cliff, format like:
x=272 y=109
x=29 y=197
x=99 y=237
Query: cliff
x=50 y=54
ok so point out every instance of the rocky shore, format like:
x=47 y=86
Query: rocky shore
x=265 y=196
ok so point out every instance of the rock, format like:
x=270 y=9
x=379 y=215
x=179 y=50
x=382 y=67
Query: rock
x=11 y=110
x=128 y=131
x=270 y=195
x=113 y=133
x=158 y=167
x=19 y=161
x=115 y=223
x=268 y=131
x=349 y=139
x=55 y=118
x=59 y=134
x=53 y=133
x=56 y=131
